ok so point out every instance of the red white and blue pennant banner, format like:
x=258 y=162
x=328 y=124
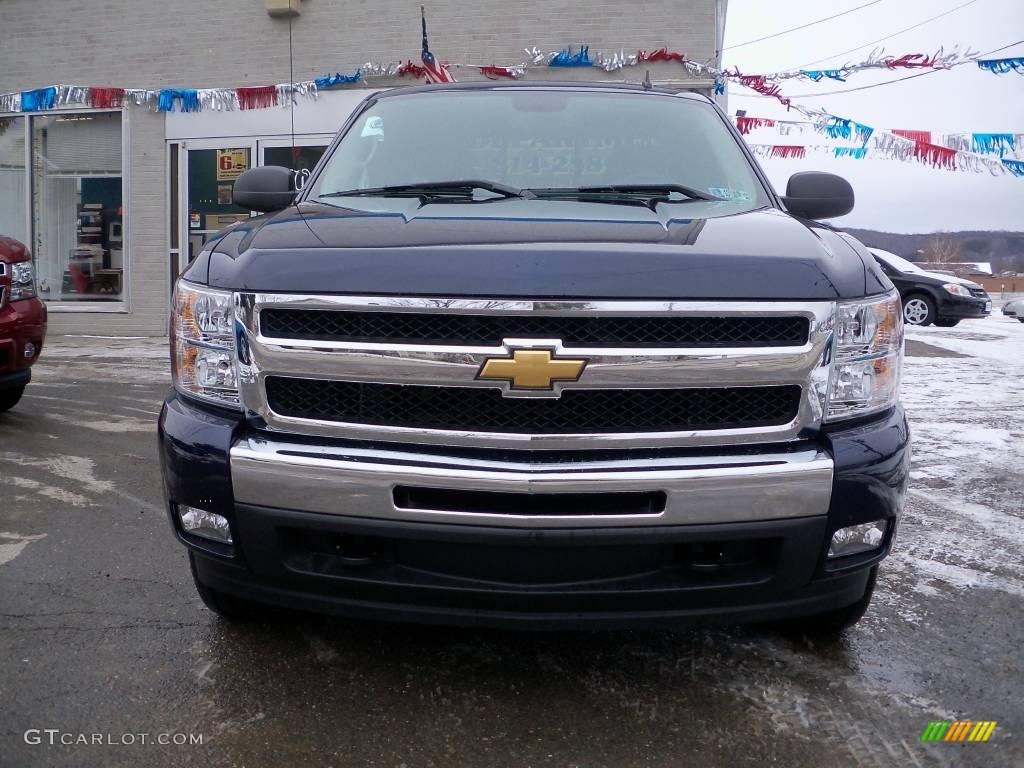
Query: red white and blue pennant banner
x=429 y=68
x=1002 y=66
x=996 y=153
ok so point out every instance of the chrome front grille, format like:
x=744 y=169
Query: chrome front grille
x=571 y=330
x=406 y=370
x=485 y=410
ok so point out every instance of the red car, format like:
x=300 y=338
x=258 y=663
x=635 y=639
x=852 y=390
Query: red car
x=22 y=321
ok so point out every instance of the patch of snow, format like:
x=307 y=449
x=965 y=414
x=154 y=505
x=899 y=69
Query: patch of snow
x=964 y=524
x=962 y=577
x=11 y=549
x=108 y=423
x=90 y=336
x=77 y=468
x=995 y=337
x=49 y=491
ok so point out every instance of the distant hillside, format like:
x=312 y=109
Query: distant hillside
x=1004 y=250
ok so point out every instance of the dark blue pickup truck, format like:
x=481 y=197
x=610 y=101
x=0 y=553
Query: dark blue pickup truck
x=537 y=355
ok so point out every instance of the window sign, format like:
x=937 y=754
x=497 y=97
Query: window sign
x=231 y=163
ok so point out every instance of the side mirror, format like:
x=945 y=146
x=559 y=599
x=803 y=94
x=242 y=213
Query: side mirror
x=265 y=189
x=815 y=195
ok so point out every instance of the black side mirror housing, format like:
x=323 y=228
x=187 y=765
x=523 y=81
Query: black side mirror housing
x=816 y=195
x=265 y=189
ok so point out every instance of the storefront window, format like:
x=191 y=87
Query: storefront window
x=302 y=160
x=78 y=214
x=13 y=179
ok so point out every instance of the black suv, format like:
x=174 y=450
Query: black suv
x=932 y=297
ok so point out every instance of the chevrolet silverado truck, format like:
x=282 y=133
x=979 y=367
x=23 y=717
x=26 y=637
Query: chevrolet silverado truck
x=22 y=321
x=537 y=356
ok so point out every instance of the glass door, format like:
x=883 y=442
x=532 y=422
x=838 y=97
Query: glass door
x=301 y=158
x=209 y=170
x=202 y=173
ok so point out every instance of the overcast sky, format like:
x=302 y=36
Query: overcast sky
x=891 y=196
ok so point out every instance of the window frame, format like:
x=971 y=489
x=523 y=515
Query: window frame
x=27 y=170
x=123 y=306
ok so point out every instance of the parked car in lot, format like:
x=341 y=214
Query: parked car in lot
x=933 y=297
x=537 y=355
x=1014 y=309
x=22 y=321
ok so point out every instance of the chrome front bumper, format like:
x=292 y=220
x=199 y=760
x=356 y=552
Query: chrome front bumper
x=360 y=482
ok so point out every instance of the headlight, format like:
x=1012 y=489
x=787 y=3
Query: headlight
x=203 y=345
x=23 y=280
x=956 y=289
x=867 y=357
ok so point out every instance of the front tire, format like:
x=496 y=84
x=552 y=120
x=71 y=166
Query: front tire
x=10 y=397
x=227 y=606
x=833 y=623
x=918 y=309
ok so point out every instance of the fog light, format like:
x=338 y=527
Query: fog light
x=199 y=522
x=855 y=539
x=30 y=350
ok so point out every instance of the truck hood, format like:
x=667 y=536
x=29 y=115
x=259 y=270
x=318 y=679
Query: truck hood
x=539 y=248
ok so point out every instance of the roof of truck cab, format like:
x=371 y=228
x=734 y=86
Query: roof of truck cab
x=542 y=85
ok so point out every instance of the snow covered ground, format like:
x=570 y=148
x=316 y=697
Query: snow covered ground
x=967 y=416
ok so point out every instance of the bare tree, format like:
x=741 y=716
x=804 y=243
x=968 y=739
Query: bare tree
x=942 y=248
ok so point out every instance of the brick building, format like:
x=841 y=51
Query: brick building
x=115 y=201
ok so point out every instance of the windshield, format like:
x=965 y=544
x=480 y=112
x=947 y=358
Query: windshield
x=545 y=140
x=896 y=262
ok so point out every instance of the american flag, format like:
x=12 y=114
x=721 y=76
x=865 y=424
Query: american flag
x=435 y=72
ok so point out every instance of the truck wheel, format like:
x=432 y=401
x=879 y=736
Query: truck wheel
x=227 y=606
x=919 y=310
x=946 y=323
x=834 y=622
x=10 y=397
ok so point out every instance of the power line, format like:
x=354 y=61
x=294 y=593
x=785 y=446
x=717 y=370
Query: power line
x=901 y=79
x=879 y=85
x=887 y=37
x=866 y=87
x=847 y=90
x=802 y=26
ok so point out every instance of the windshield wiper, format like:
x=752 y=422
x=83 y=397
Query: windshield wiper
x=649 y=191
x=435 y=189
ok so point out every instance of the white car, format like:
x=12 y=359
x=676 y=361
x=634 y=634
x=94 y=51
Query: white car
x=1014 y=309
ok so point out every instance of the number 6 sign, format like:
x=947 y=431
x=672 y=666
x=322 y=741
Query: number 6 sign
x=231 y=163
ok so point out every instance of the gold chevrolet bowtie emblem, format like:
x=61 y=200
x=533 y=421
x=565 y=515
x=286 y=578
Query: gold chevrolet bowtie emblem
x=531 y=369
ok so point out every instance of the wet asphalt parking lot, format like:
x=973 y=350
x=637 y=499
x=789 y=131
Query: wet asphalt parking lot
x=102 y=633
